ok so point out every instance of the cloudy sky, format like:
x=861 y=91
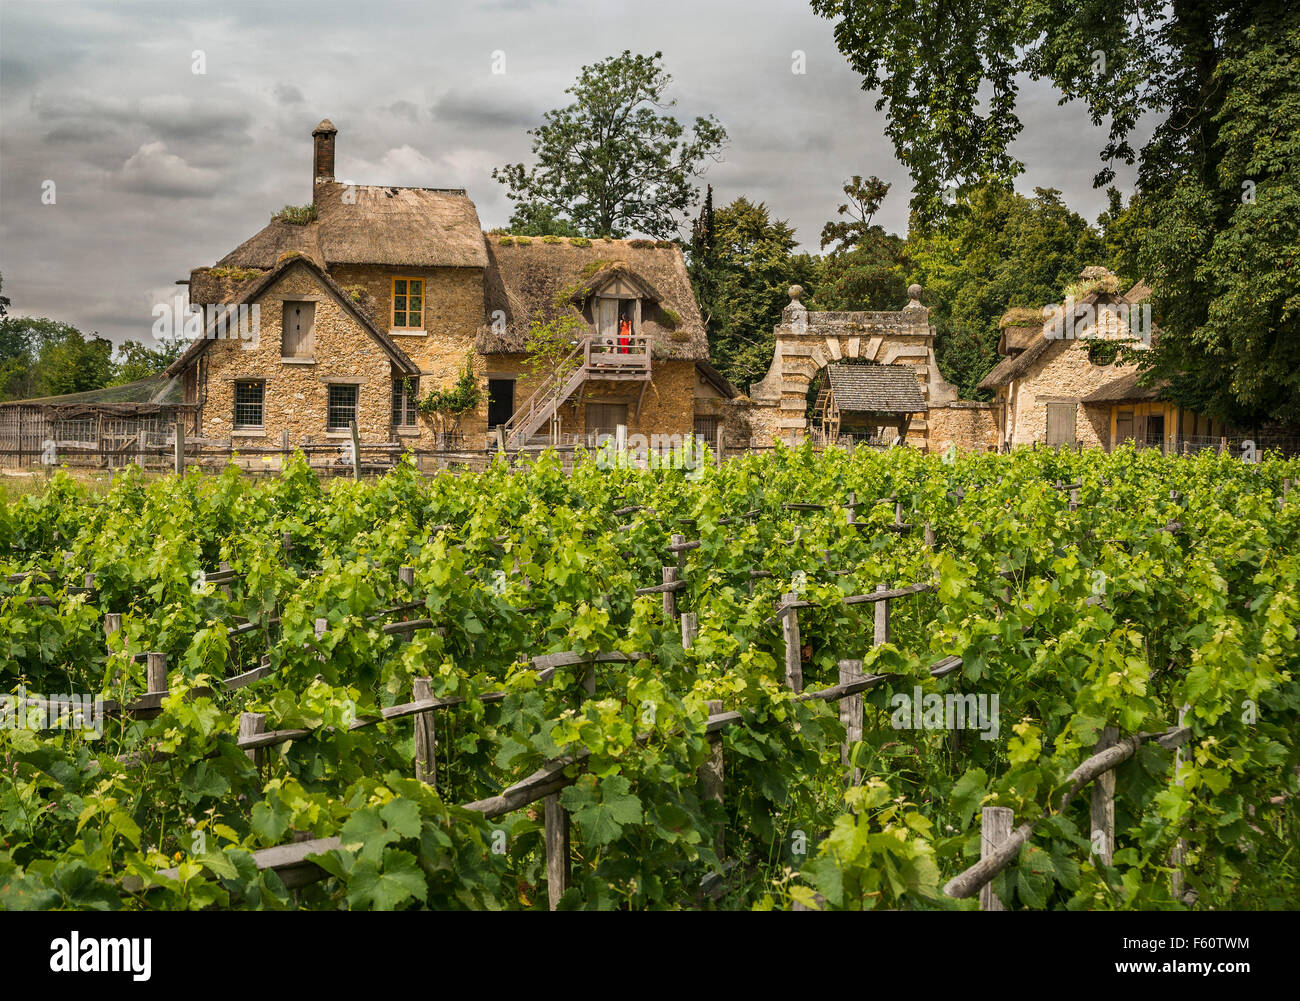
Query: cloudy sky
x=157 y=169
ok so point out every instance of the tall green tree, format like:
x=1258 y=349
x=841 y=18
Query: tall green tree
x=750 y=265
x=43 y=357
x=1219 y=172
x=135 y=360
x=613 y=162
x=995 y=250
x=867 y=268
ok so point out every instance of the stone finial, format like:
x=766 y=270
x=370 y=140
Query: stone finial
x=914 y=296
x=796 y=293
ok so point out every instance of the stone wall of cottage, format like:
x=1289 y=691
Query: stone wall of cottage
x=1063 y=375
x=453 y=311
x=971 y=426
x=296 y=394
x=668 y=406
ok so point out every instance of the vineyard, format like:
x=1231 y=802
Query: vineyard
x=810 y=680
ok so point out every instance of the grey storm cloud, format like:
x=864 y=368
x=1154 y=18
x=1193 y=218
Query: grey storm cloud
x=160 y=169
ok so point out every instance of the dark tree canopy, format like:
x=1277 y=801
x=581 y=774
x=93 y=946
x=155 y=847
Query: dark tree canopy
x=613 y=162
x=1218 y=181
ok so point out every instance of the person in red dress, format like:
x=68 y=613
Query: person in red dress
x=624 y=335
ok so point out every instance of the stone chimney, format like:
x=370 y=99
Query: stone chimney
x=323 y=159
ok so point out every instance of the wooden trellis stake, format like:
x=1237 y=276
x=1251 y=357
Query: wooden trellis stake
x=356 y=450
x=556 y=820
x=1178 y=879
x=670 y=597
x=426 y=748
x=713 y=771
x=406 y=575
x=851 y=716
x=882 y=618
x=250 y=725
x=1103 y=802
x=155 y=672
x=180 y=448
x=851 y=514
x=690 y=629
x=793 y=652
x=995 y=829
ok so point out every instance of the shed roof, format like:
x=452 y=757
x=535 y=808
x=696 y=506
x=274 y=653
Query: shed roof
x=147 y=395
x=884 y=389
x=1126 y=388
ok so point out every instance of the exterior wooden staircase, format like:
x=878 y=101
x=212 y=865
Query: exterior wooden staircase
x=592 y=358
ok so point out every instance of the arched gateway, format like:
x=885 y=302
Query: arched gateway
x=807 y=342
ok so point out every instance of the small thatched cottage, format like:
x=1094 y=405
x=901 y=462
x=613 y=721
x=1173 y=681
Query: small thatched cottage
x=1061 y=380
x=375 y=296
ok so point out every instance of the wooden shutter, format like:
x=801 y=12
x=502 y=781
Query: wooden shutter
x=1060 y=423
x=607 y=317
x=1123 y=426
x=299 y=330
x=606 y=417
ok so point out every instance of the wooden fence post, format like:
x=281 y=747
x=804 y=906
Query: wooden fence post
x=929 y=536
x=356 y=451
x=180 y=448
x=1178 y=879
x=557 y=850
x=713 y=771
x=155 y=672
x=718 y=455
x=284 y=448
x=88 y=582
x=250 y=725
x=995 y=829
x=426 y=759
x=690 y=629
x=882 y=618
x=793 y=652
x=851 y=716
x=112 y=623
x=1103 y=802
x=406 y=575
x=851 y=515
x=670 y=597
x=286 y=542
x=681 y=553
x=320 y=627
x=556 y=820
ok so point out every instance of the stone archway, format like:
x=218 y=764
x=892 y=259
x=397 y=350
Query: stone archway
x=806 y=342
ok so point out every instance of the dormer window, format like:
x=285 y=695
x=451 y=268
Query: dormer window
x=615 y=317
x=617 y=309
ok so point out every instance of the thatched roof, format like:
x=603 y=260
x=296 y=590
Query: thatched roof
x=1024 y=346
x=880 y=389
x=255 y=288
x=1013 y=340
x=1126 y=389
x=558 y=277
x=372 y=224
